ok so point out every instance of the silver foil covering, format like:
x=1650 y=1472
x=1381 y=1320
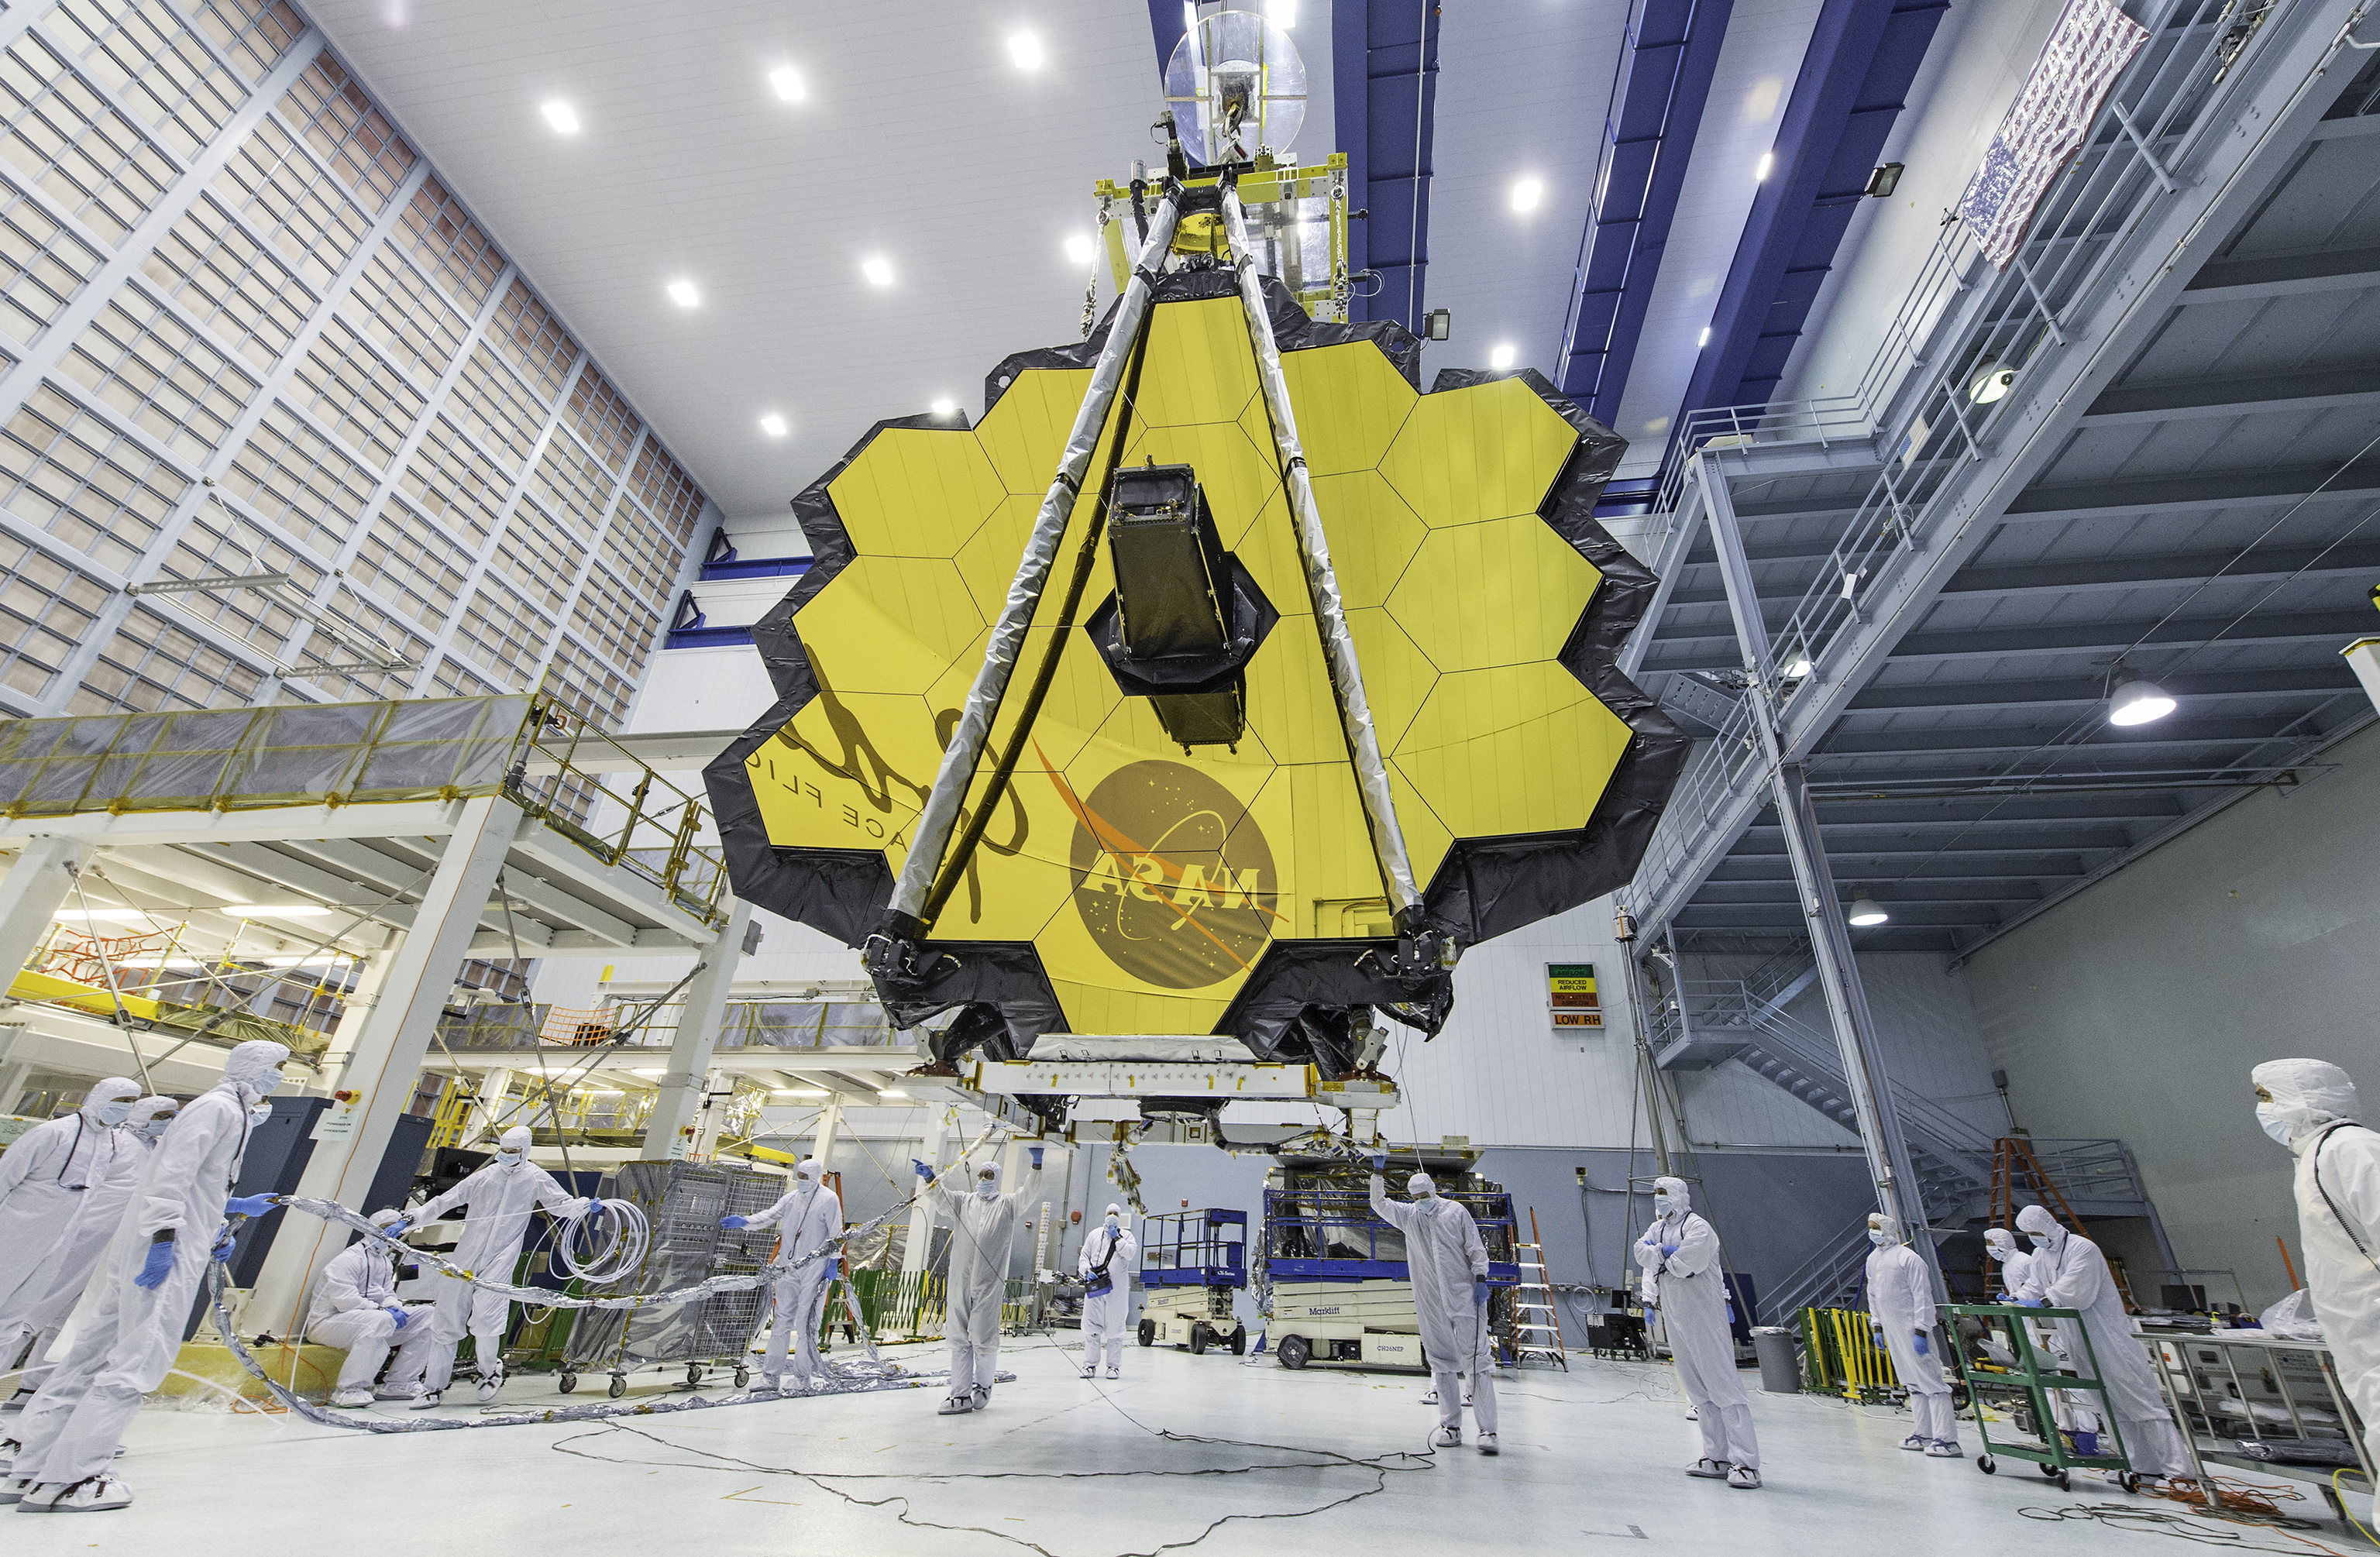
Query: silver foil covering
x=1330 y=613
x=940 y=815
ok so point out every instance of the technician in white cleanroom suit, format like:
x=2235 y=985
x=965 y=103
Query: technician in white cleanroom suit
x=1106 y=1265
x=501 y=1196
x=1900 y=1306
x=45 y=1177
x=2309 y=1106
x=2070 y=1272
x=356 y=1308
x=983 y=1230
x=1448 y=1265
x=85 y=1245
x=2016 y=1266
x=1680 y=1254
x=69 y=1434
x=812 y=1217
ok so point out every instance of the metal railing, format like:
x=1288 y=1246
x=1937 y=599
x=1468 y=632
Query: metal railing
x=595 y=792
x=1959 y=321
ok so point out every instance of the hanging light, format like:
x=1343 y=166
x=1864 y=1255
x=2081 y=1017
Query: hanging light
x=2136 y=701
x=1991 y=382
x=1865 y=910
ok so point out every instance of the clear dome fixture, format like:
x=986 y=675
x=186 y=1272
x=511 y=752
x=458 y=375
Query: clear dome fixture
x=1236 y=84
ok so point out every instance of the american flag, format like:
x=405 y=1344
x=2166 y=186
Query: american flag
x=2087 y=50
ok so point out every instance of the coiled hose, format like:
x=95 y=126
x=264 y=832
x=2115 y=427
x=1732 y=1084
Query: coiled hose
x=604 y=1246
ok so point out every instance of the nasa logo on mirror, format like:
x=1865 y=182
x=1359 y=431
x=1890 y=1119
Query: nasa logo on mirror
x=1173 y=877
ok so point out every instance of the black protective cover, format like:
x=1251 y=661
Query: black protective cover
x=1303 y=998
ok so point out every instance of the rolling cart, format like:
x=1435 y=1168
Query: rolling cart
x=2004 y=1367
x=683 y=1201
x=1191 y=1263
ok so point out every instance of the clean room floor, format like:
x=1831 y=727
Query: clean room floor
x=1064 y=1467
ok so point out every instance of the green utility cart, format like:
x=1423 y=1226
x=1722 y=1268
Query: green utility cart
x=2006 y=1366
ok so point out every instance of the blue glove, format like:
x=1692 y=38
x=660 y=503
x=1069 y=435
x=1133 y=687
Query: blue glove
x=2002 y=1298
x=1879 y=1333
x=924 y=1171
x=154 y=1268
x=1478 y=1291
x=224 y=1245
x=1669 y=1249
x=2033 y=1302
x=1036 y=1152
x=1379 y=1162
x=1924 y=1347
x=250 y=1205
x=398 y=1314
x=397 y=1229
x=733 y=1223
x=594 y=1206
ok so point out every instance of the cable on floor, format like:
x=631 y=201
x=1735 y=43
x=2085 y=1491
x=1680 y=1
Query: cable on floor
x=2341 y=1493
x=2156 y=1521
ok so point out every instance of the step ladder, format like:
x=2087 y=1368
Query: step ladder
x=1537 y=1323
x=2015 y=1164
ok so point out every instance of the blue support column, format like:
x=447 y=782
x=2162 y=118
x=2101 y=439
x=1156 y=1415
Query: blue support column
x=1649 y=136
x=1384 y=80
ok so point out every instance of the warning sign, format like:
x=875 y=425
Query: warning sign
x=1570 y=995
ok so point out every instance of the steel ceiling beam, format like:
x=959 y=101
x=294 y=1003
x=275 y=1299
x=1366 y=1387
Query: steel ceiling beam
x=1671 y=49
x=2231 y=281
x=2303 y=394
x=2259 y=686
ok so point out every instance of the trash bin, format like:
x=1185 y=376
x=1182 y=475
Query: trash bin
x=1780 y=1366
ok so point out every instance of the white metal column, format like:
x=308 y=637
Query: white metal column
x=1897 y=1192
x=929 y=1152
x=697 y=1038
x=30 y=897
x=830 y=1120
x=388 y=1054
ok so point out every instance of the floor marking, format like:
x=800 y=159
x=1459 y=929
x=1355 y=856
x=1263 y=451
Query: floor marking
x=1633 y=1533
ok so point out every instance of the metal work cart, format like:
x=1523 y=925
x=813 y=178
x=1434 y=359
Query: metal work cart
x=1191 y=1263
x=683 y=1201
x=2248 y=1400
x=2004 y=1367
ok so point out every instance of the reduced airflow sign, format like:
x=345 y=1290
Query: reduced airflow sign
x=1570 y=995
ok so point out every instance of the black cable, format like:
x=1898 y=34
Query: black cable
x=2157 y=1522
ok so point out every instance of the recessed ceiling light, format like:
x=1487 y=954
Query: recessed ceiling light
x=787 y=82
x=1704 y=339
x=891 y=1092
x=1501 y=356
x=773 y=425
x=683 y=294
x=1026 y=50
x=944 y=406
x=560 y=116
x=1767 y=161
x=1282 y=13
x=877 y=270
x=1078 y=249
x=1527 y=192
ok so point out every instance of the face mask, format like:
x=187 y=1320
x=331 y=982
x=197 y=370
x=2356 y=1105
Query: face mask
x=116 y=1113
x=2276 y=1123
x=156 y=1127
x=1999 y=1251
x=987 y=1188
x=1662 y=1205
x=2040 y=1241
x=508 y=1158
x=1875 y=1237
x=259 y=1113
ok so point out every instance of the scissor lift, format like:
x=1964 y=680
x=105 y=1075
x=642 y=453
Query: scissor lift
x=1191 y=1264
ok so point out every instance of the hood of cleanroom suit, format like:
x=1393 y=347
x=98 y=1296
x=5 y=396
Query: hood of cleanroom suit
x=2036 y=1221
x=255 y=1067
x=2307 y=1094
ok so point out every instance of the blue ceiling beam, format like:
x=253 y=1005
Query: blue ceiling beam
x=1649 y=137
x=1384 y=100
x=1862 y=58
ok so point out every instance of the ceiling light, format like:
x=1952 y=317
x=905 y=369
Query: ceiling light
x=1865 y=910
x=788 y=84
x=1026 y=50
x=1527 y=192
x=773 y=425
x=683 y=294
x=801 y=1093
x=2137 y=701
x=1798 y=665
x=1767 y=161
x=1990 y=383
x=277 y=911
x=944 y=408
x=1078 y=249
x=653 y=1073
x=1704 y=339
x=560 y=116
x=877 y=270
x=1501 y=356
x=891 y=1092
x=98 y=916
x=1282 y=13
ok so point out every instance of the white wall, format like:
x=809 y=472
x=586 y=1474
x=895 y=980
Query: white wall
x=1980 y=56
x=2137 y=1007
